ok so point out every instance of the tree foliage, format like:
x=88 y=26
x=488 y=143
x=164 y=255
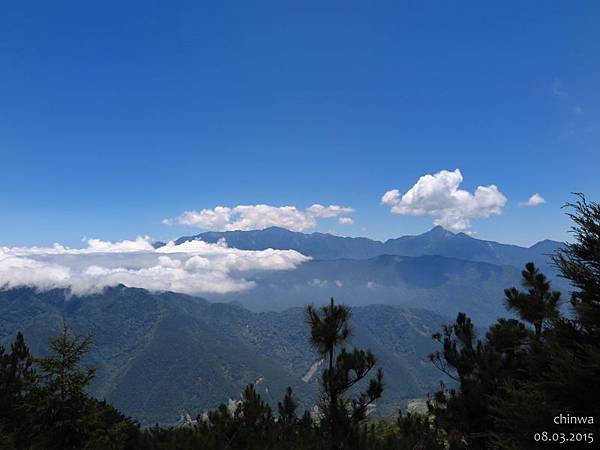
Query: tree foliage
x=539 y=304
x=341 y=416
x=45 y=404
x=513 y=383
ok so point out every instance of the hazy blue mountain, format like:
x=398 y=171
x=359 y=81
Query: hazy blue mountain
x=437 y=283
x=438 y=270
x=317 y=245
x=161 y=354
x=437 y=241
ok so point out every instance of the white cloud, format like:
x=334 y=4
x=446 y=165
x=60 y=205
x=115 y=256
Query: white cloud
x=326 y=212
x=140 y=244
x=316 y=282
x=391 y=198
x=194 y=267
x=438 y=195
x=345 y=221
x=535 y=200
x=258 y=217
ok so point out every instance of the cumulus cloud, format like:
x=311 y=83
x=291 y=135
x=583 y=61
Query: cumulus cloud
x=193 y=267
x=258 y=217
x=439 y=196
x=535 y=200
x=325 y=212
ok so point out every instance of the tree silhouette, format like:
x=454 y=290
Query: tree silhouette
x=59 y=401
x=15 y=374
x=329 y=332
x=539 y=304
x=287 y=409
x=579 y=262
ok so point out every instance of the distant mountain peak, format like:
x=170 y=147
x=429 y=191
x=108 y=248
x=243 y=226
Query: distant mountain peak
x=275 y=228
x=439 y=231
x=437 y=241
x=547 y=245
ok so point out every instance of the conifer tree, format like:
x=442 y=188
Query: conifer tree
x=329 y=332
x=562 y=375
x=512 y=386
x=579 y=262
x=60 y=404
x=480 y=368
x=44 y=403
x=287 y=408
x=15 y=373
x=255 y=419
x=539 y=304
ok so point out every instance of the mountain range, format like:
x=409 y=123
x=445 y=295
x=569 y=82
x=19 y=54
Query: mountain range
x=436 y=283
x=161 y=355
x=437 y=241
x=438 y=270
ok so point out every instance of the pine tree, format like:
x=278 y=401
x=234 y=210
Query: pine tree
x=480 y=368
x=44 y=403
x=539 y=304
x=255 y=419
x=287 y=408
x=563 y=369
x=60 y=404
x=579 y=262
x=15 y=373
x=329 y=328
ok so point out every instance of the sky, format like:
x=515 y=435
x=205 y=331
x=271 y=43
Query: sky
x=378 y=119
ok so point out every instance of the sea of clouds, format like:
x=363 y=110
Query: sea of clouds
x=193 y=267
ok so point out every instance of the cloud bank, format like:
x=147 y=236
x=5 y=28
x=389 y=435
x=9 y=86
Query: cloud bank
x=439 y=196
x=193 y=267
x=535 y=200
x=258 y=217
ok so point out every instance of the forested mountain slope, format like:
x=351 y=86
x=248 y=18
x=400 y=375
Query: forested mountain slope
x=162 y=354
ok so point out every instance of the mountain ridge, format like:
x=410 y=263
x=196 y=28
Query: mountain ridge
x=437 y=241
x=437 y=283
x=160 y=354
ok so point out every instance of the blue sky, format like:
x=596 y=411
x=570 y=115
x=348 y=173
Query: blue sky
x=118 y=115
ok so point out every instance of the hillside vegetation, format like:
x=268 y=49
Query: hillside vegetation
x=161 y=355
